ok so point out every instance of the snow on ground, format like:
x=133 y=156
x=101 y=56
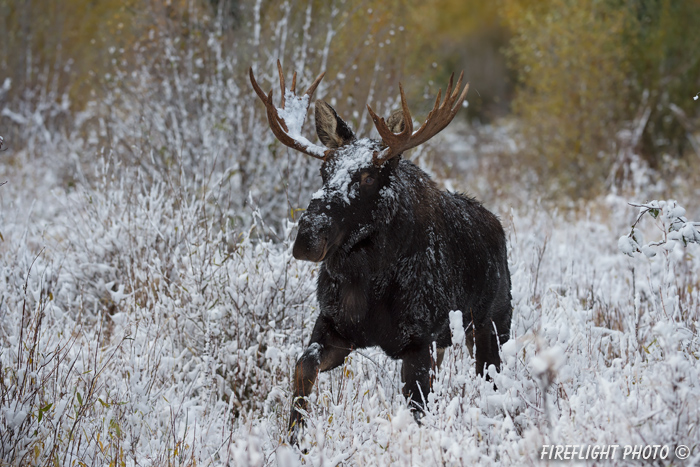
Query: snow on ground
x=137 y=328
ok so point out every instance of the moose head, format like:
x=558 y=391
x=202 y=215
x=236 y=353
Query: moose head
x=356 y=172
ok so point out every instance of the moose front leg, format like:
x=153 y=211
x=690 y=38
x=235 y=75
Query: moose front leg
x=326 y=351
x=415 y=374
x=486 y=350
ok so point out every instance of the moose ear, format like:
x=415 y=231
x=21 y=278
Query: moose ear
x=331 y=129
x=395 y=122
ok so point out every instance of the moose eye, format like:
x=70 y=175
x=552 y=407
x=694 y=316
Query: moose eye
x=367 y=180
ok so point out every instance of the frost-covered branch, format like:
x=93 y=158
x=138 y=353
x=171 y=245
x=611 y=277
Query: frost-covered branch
x=671 y=221
x=2 y=140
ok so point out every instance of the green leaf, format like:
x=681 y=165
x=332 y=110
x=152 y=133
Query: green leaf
x=46 y=408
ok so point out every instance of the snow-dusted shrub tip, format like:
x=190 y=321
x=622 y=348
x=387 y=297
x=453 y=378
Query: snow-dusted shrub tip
x=673 y=226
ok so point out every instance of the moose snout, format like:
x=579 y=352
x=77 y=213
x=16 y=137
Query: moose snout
x=315 y=237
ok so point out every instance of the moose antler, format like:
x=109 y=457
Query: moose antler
x=287 y=126
x=438 y=119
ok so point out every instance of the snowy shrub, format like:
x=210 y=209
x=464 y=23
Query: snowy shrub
x=670 y=221
x=123 y=333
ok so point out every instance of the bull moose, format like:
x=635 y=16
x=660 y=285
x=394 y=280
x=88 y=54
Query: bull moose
x=397 y=254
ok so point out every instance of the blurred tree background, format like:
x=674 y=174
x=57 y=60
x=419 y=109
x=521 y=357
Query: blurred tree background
x=601 y=79
x=588 y=82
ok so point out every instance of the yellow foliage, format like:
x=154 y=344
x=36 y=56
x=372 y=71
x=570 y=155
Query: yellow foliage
x=465 y=35
x=64 y=41
x=588 y=68
x=572 y=64
x=70 y=44
x=447 y=20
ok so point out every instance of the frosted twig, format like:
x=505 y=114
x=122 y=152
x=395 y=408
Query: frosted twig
x=24 y=310
x=671 y=220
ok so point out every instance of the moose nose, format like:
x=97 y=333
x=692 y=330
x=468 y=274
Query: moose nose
x=312 y=242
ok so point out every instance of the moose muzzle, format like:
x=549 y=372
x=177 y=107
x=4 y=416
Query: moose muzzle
x=317 y=236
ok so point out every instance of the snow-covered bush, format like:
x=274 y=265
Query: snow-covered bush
x=672 y=225
x=142 y=314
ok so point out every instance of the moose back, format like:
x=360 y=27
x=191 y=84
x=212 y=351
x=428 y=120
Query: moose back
x=397 y=254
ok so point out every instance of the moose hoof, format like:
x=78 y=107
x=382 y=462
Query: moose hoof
x=418 y=415
x=294 y=435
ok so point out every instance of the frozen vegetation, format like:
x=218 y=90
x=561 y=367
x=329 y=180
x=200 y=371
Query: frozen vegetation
x=151 y=312
x=142 y=325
